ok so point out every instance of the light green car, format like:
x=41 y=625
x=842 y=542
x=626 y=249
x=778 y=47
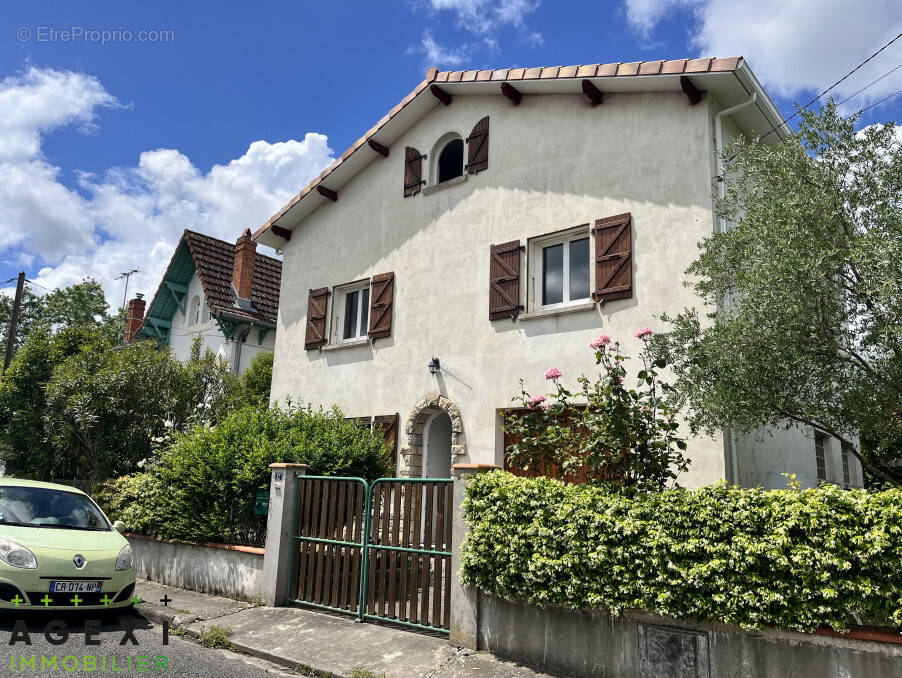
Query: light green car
x=59 y=551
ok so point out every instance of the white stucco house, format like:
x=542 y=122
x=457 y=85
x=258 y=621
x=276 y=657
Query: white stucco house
x=493 y=223
x=225 y=293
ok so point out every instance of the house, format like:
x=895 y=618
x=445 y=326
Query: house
x=227 y=294
x=492 y=224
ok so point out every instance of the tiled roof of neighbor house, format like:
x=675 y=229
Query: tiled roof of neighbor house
x=214 y=259
x=675 y=67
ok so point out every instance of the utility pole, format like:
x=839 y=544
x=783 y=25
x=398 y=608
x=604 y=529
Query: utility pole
x=127 y=274
x=14 y=321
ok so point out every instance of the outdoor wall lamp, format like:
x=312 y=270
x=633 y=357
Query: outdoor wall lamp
x=434 y=365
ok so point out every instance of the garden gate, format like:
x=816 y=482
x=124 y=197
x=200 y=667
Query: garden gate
x=376 y=551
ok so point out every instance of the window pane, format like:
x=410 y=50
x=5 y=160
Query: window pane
x=552 y=274
x=364 y=311
x=579 y=269
x=351 y=315
x=451 y=160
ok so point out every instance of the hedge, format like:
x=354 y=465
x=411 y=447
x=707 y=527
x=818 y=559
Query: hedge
x=795 y=559
x=203 y=487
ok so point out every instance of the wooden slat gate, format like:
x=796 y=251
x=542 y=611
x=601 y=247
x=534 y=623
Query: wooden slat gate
x=379 y=551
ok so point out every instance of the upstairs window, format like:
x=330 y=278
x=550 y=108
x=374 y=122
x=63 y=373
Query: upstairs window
x=562 y=269
x=450 y=163
x=352 y=312
x=820 y=456
x=846 y=469
x=195 y=310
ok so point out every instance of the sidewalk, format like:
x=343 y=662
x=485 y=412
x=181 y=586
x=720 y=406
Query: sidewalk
x=329 y=644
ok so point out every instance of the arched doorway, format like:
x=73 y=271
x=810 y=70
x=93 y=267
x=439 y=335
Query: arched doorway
x=437 y=462
x=447 y=438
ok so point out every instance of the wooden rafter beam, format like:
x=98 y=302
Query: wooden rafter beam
x=593 y=95
x=280 y=232
x=159 y=322
x=179 y=294
x=690 y=90
x=440 y=94
x=379 y=148
x=327 y=193
x=511 y=93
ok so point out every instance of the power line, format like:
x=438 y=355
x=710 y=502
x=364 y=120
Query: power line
x=894 y=94
x=32 y=282
x=842 y=79
x=873 y=82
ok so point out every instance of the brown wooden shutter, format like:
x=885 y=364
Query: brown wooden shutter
x=382 y=292
x=316 y=318
x=504 y=280
x=413 y=171
x=478 y=147
x=613 y=258
x=388 y=425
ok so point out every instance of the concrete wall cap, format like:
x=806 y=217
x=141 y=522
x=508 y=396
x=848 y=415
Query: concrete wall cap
x=289 y=466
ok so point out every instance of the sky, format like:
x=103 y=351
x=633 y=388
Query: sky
x=123 y=123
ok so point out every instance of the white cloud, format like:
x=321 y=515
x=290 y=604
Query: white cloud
x=127 y=216
x=444 y=57
x=482 y=19
x=794 y=46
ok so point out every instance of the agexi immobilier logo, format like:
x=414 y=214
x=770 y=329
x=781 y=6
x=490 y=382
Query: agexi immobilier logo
x=56 y=632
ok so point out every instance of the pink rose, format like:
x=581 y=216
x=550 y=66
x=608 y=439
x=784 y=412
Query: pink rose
x=552 y=373
x=642 y=332
x=535 y=400
x=619 y=379
x=600 y=341
x=547 y=406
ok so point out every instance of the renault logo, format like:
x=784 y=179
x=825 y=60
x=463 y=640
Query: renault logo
x=79 y=560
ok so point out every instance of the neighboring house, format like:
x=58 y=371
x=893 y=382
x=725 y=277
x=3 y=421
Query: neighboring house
x=227 y=294
x=429 y=269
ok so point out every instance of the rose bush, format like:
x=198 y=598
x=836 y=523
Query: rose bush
x=611 y=431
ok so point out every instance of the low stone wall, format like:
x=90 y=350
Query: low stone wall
x=217 y=569
x=638 y=645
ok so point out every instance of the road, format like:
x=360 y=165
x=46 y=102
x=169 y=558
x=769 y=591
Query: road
x=23 y=641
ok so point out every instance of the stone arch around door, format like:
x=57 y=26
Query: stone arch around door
x=411 y=463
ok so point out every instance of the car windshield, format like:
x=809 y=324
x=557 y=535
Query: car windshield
x=44 y=507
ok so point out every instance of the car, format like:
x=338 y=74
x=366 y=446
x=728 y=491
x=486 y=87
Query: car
x=59 y=551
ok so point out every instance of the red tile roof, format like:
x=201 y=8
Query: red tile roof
x=434 y=76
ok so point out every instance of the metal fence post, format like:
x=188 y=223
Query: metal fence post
x=464 y=599
x=280 y=520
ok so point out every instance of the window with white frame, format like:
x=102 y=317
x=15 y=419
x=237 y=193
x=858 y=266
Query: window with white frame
x=846 y=469
x=205 y=317
x=195 y=310
x=820 y=456
x=561 y=269
x=351 y=312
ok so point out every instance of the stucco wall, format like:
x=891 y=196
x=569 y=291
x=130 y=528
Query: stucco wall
x=231 y=572
x=184 y=332
x=597 y=644
x=554 y=163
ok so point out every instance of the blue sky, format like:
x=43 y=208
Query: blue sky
x=113 y=149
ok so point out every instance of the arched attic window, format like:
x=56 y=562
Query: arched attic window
x=195 y=310
x=449 y=158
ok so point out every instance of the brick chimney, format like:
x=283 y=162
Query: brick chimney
x=243 y=270
x=135 y=317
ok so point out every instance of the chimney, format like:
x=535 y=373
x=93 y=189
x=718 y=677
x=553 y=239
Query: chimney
x=135 y=318
x=243 y=270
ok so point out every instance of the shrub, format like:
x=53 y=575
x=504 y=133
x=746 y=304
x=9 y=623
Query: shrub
x=134 y=499
x=606 y=430
x=204 y=485
x=797 y=559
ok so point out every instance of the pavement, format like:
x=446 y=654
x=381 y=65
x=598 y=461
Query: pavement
x=29 y=646
x=316 y=643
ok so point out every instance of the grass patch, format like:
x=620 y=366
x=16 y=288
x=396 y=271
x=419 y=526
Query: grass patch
x=216 y=636
x=178 y=631
x=361 y=672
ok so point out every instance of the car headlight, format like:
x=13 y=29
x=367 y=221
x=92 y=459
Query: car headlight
x=16 y=555
x=125 y=559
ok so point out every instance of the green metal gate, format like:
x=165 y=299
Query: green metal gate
x=378 y=551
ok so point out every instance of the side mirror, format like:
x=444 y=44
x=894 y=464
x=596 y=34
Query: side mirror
x=119 y=526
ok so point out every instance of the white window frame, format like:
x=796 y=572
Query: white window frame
x=339 y=298
x=195 y=311
x=535 y=268
x=437 y=149
x=820 y=454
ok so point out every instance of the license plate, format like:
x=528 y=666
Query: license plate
x=75 y=587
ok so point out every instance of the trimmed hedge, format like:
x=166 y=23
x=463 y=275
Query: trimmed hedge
x=797 y=559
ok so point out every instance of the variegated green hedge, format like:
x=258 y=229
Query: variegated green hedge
x=797 y=559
